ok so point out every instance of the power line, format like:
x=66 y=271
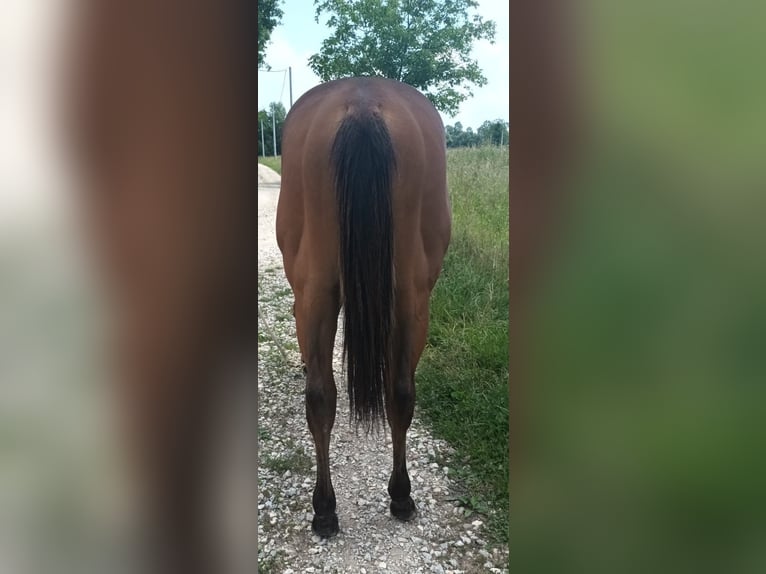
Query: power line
x=285 y=73
x=282 y=93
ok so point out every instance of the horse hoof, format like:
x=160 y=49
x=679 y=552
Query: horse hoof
x=403 y=509
x=325 y=526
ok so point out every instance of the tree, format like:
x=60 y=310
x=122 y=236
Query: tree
x=470 y=139
x=454 y=134
x=489 y=133
x=276 y=111
x=493 y=133
x=269 y=15
x=423 y=43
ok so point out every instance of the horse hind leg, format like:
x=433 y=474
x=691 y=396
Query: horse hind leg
x=316 y=321
x=400 y=406
x=399 y=411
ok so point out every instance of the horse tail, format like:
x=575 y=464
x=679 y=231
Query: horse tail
x=364 y=162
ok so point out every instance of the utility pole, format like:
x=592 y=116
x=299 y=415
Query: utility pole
x=274 y=128
x=290 y=71
x=263 y=141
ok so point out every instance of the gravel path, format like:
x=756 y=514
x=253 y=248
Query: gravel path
x=441 y=539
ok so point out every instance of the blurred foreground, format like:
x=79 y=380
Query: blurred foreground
x=642 y=434
x=83 y=101
x=60 y=491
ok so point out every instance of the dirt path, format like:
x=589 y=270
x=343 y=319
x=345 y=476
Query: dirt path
x=441 y=539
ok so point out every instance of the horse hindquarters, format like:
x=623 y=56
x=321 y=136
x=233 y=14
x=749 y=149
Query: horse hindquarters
x=337 y=223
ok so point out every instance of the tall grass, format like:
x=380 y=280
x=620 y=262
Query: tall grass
x=462 y=379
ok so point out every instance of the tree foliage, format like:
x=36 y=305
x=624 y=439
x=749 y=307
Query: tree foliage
x=275 y=114
x=269 y=15
x=423 y=43
x=493 y=133
x=489 y=133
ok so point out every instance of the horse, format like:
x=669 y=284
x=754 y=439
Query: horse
x=159 y=113
x=363 y=223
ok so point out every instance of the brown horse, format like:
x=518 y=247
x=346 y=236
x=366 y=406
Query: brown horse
x=363 y=222
x=161 y=117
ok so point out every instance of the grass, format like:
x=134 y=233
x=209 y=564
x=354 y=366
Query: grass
x=274 y=163
x=462 y=379
x=268 y=565
x=296 y=461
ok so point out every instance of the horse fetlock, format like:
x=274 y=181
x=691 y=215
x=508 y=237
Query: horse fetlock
x=399 y=486
x=324 y=504
x=403 y=509
x=325 y=525
x=325 y=521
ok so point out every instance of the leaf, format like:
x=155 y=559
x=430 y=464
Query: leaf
x=269 y=16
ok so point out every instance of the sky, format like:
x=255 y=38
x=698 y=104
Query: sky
x=298 y=36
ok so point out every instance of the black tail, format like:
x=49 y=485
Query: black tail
x=363 y=160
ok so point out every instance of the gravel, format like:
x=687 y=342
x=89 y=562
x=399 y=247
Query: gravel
x=440 y=539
